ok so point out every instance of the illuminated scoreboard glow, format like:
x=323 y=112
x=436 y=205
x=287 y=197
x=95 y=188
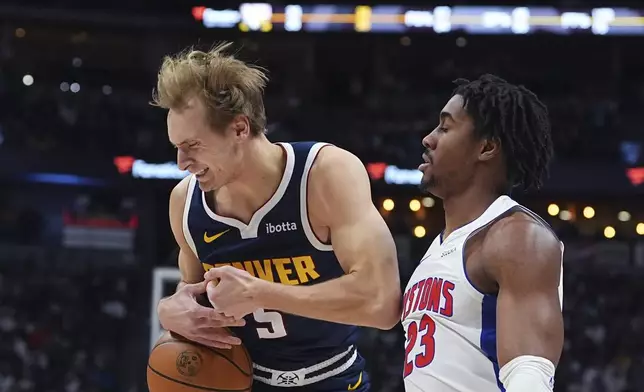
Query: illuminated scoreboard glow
x=399 y=19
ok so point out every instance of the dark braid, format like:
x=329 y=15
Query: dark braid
x=515 y=117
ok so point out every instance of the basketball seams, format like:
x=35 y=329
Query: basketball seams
x=196 y=386
x=231 y=361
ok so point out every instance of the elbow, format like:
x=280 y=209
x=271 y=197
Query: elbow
x=384 y=313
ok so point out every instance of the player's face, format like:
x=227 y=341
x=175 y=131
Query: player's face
x=214 y=156
x=451 y=150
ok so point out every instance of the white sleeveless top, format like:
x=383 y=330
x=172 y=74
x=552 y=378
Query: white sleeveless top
x=450 y=326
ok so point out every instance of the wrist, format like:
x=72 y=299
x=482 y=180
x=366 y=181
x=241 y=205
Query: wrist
x=262 y=293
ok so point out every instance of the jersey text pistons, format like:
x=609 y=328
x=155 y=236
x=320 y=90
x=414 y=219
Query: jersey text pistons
x=431 y=295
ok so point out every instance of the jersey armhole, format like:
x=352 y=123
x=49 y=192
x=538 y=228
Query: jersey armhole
x=472 y=288
x=304 y=210
x=486 y=226
x=511 y=210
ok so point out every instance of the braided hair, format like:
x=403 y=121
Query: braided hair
x=514 y=116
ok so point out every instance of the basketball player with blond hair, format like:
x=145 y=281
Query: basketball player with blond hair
x=482 y=311
x=288 y=231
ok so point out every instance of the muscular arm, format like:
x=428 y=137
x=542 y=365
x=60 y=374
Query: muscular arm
x=524 y=258
x=182 y=312
x=189 y=264
x=369 y=292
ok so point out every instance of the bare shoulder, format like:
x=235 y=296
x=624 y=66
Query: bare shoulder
x=333 y=161
x=519 y=246
x=338 y=187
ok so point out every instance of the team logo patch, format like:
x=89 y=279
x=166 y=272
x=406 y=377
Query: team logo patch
x=288 y=378
x=189 y=363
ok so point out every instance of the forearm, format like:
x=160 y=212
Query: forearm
x=348 y=299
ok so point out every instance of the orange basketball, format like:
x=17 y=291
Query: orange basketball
x=179 y=365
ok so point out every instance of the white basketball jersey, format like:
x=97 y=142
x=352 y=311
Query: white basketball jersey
x=450 y=326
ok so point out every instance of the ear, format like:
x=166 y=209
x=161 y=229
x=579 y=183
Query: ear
x=490 y=148
x=241 y=126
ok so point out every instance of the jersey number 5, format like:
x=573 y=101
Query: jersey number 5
x=276 y=329
x=426 y=331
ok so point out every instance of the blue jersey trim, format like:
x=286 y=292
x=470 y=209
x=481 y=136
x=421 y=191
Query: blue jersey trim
x=488 y=334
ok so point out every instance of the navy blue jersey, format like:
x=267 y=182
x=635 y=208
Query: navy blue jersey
x=278 y=245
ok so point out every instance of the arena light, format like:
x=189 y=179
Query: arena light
x=414 y=205
x=472 y=20
x=553 y=210
x=362 y=18
x=609 y=232
x=635 y=175
x=62 y=179
x=428 y=202
x=589 y=212
x=419 y=231
x=388 y=205
x=293 y=18
x=162 y=171
x=565 y=215
x=75 y=87
x=398 y=176
x=107 y=89
x=392 y=174
x=64 y=87
x=639 y=229
x=27 y=80
x=624 y=216
x=139 y=168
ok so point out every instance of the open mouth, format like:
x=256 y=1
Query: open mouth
x=426 y=164
x=201 y=172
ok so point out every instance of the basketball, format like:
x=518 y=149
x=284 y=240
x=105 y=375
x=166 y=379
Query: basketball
x=179 y=365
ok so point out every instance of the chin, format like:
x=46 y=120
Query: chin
x=426 y=183
x=206 y=186
x=428 y=186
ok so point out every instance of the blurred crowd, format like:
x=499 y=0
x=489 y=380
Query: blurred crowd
x=63 y=332
x=376 y=98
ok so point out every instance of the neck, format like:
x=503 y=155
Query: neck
x=465 y=207
x=261 y=174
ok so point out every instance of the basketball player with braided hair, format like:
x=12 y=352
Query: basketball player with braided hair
x=282 y=237
x=482 y=311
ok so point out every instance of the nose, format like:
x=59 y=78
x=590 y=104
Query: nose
x=183 y=161
x=429 y=141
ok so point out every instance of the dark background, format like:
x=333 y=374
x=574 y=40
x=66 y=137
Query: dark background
x=79 y=240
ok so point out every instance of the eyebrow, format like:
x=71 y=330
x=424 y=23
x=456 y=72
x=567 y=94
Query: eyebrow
x=187 y=141
x=446 y=115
